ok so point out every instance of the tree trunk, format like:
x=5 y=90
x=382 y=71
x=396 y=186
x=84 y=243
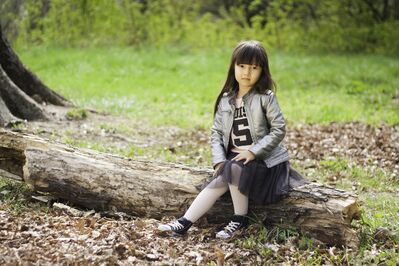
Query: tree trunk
x=17 y=101
x=154 y=189
x=6 y=116
x=21 y=92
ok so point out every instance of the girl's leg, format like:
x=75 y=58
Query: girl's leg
x=208 y=196
x=240 y=203
x=203 y=202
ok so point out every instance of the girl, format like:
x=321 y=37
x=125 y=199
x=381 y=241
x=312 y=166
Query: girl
x=247 y=154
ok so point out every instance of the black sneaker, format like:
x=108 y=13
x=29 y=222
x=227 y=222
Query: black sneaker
x=180 y=226
x=236 y=223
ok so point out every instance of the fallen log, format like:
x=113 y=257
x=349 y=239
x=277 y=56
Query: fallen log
x=154 y=189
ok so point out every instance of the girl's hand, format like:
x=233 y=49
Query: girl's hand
x=217 y=168
x=245 y=155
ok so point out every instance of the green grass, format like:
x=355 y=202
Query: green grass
x=178 y=86
x=76 y=114
x=15 y=196
x=364 y=179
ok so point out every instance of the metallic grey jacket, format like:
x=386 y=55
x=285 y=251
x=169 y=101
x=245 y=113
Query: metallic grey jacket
x=266 y=123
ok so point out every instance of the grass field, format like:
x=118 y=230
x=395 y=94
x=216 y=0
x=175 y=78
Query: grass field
x=179 y=87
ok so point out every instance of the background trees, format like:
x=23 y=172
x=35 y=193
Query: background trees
x=333 y=26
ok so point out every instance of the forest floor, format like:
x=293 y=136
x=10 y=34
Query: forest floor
x=353 y=156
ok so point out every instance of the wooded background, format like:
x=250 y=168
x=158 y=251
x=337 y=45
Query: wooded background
x=316 y=25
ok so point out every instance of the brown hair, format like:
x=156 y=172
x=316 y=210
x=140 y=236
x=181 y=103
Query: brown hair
x=248 y=52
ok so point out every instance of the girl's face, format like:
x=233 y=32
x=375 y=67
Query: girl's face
x=247 y=75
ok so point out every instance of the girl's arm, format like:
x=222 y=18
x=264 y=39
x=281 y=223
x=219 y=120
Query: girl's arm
x=217 y=146
x=277 y=128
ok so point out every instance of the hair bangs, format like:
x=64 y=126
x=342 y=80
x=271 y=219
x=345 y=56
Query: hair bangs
x=251 y=54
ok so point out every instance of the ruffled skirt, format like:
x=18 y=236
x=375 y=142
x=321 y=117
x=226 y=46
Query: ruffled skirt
x=261 y=184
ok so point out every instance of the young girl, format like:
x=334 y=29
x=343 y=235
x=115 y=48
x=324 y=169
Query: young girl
x=247 y=154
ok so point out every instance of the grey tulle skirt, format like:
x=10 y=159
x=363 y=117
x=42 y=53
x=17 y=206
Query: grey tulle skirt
x=261 y=184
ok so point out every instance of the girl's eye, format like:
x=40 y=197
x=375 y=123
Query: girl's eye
x=241 y=66
x=255 y=67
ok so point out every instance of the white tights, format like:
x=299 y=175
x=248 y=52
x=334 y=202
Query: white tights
x=208 y=196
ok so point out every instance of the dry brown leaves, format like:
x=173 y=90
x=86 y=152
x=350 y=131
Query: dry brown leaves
x=363 y=144
x=39 y=238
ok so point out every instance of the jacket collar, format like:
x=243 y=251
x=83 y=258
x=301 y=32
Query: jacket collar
x=233 y=94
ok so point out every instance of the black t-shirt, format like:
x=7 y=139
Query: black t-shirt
x=240 y=136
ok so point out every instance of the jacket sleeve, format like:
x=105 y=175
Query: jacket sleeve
x=276 y=122
x=217 y=146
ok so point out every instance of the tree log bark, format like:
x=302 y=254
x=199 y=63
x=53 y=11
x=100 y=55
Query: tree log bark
x=155 y=189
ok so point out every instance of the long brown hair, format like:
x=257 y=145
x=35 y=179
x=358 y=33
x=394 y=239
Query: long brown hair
x=248 y=52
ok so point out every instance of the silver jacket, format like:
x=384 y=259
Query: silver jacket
x=266 y=123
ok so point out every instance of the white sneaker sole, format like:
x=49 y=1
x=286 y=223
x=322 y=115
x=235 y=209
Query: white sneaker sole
x=164 y=227
x=223 y=235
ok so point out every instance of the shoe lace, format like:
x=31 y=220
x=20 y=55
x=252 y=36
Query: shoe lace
x=232 y=226
x=176 y=225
